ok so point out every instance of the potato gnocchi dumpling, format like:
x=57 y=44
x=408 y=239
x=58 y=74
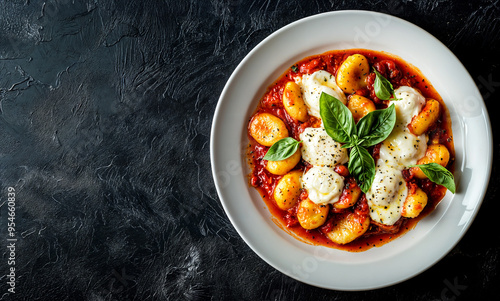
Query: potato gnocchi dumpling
x=352 y=74
x=360 y=106
x=293 y=102
x=435 y=153
x=267 y=129
x=282 y=167
x=350 y=195
x=311 y=215
x=426 y=118
x=414 y=203
x=348 y=228
x=287 y=191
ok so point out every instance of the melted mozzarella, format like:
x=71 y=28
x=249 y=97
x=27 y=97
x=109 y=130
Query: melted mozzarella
x=313 y=85
x=408 y=104
x=319 y=149
x=323 y=185
x=401 y=149
x=386 y=195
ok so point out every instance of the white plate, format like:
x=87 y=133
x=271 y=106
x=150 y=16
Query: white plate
x=402 y=258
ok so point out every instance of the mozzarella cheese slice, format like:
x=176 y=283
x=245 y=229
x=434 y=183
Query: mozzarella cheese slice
x=401 y=149
x=313 y=85
x=323 y=185
x=319 y=149
x=387 y=194
x=409 y=102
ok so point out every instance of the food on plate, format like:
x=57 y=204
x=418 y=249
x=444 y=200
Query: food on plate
x=350 y=149
x=267 y=129
x=414 y=202
x=360 y=106
x=311 y=215
x=348 y=227
x=435 y=153
x=352 y=73
x=287 y=190
x=293 y=102
x=282 y=167
x=426 y=118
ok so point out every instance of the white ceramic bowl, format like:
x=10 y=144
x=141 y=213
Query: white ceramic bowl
x=404 y=257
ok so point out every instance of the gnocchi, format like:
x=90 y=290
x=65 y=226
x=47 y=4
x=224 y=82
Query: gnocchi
x=293 y=102
x=426 y=118
x=348 y=228
x=360 y=106
x=352 y=74
x=435 y=153
x=311 y=215
x=267 y=129
x=414 y=203
x=282 y=167
x=287 y=191
x=350 y=195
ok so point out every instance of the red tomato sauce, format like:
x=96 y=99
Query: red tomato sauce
x=399 y=73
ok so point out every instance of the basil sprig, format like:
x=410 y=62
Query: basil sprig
x=438 y=174
x=382 y=86
x=373 y=128
x=376 y=126
x=282 y=149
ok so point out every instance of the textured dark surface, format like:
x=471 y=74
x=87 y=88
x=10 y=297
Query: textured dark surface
x=105 y=116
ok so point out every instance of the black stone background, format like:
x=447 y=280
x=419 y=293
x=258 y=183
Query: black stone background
x=105 y=117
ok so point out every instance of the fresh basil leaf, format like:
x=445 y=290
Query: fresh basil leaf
x=364 y=125
x=438 y=174
x=383 y=88
x=337 y=119
x=362 y=167
x=376 y=126
x=282 y=149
